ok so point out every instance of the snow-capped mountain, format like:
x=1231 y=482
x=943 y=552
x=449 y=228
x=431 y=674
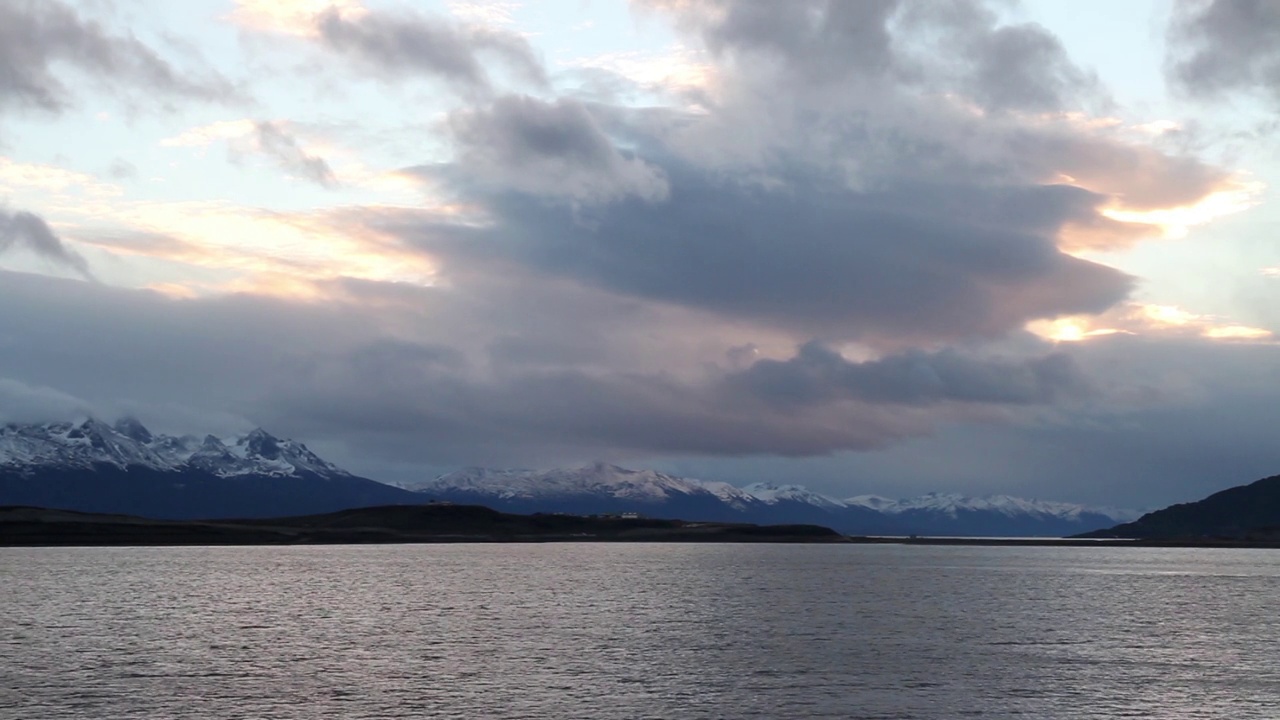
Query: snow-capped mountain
x=128 y=443
x=598 y=488
x=953 y=505
x=92 y=466
x=600 y=479
x=952 y=514
x=603 y=488
x=772 y=494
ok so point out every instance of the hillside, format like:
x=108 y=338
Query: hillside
x=1238 y=512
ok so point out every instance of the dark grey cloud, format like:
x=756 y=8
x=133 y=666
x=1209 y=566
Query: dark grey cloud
x=552 y=149
x=909 y=262
x=818 y=374
x=40 y=38
x=1147 y=457
x=282 y=147
x=1217 y=47
x=1024 y=67
x=406 y=44
x=30 y=232
x=1208 y=424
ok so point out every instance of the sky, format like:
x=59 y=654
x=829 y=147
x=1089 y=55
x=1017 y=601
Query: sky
x=880 y=247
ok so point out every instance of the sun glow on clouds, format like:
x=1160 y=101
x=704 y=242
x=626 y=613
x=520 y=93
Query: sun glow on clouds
x=492 y=12
x=676 y=69
x=290 y=17
x=176 y=291
x=1069 y=329
x=1145 y=319
x=1175 y=222
x=288 y=250
x=287 y=254
x=206 y=135
x=250 y=249
x=16 y=177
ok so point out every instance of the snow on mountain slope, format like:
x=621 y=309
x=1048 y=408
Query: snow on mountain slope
x=600 y=479
x=951 y=504
x=73 y=445
x=932 y=512
x=878 y=503
x=128 y=443
x=772 y=494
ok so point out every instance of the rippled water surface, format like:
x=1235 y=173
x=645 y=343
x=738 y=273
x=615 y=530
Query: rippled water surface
x=638 y=631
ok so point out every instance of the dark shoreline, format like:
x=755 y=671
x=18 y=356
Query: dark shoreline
x=399 y=524
x=442 y=523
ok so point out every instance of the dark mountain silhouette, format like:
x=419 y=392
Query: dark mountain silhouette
x=1238 y=512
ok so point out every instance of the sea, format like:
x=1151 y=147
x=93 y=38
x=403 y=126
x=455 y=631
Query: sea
x=681 y=631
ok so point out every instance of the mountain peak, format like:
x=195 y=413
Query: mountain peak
x=601 y=467
x=133 y=428
x=261 y=443
x=772 y=493
x=90 y=426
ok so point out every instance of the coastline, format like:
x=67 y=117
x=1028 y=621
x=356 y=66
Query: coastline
x=442 y=523
x=399 y=524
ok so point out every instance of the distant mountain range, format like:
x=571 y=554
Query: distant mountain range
x=123 y=468
x=1245 y=512
x=607 y=488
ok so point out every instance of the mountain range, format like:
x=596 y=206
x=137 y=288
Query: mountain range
x=608 y=488
x=93 y=466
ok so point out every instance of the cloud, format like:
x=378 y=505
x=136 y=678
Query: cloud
x=1149 y=320
x=830 y=43
x=30 y=232
x=1218 y=47
x=50 y=180
x=38 y=39
x=838 y=182
x=554 y=149
x=1024 y=67
x=405 y=380
x=818 y=374
x=911 y=262
x=407 y=44
x=272 y=139
x=290 y=17
x=282 y=147
x=22 y=403
x=379 y=375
